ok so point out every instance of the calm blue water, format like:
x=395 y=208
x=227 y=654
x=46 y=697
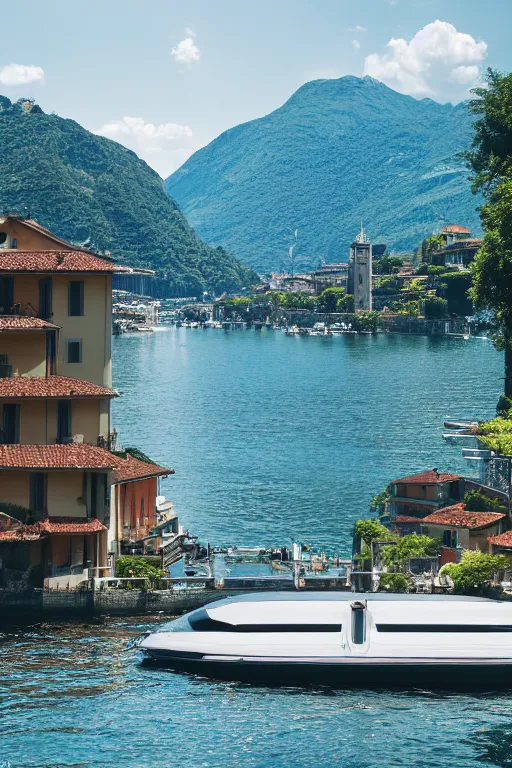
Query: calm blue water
x=271 y=438
x=275 y=438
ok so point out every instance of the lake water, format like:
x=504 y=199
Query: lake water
x=276 y=438
x=272 y=439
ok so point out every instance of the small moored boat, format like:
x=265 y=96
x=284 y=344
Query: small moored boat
x=344 y=638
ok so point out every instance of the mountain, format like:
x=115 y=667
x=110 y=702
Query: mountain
x=336 y=152
x=88 y=189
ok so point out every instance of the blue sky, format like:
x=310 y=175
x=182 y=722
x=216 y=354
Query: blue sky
x=182 y=71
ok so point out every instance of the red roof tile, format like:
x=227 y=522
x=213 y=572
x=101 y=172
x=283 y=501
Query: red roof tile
x=503 y=540
x=428 y=478
x=53 y=261
x=458 y=517
x=456 y=229
x=69 y=525
x=133 y=469
x=51 y=386
x=47 y=457
x=407 y=519
x=21 y=323
x=52 y=525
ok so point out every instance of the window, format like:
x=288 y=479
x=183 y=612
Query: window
x=74 y=351
x=45 y=298
x=38 y=493
x=200 y=621
x=76 y=298
x=6 y=295
x=51 y=352
x=444 y=628
x=14 y=242
x=64 y=429
x=10 y=424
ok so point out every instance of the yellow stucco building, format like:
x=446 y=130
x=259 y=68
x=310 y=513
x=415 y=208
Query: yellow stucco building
x=57 y=472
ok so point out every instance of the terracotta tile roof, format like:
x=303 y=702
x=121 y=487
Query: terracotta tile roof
x=21 y=323
x=51 y=386
x=53 y=525
x=503 y=540
x=428 y=478
x=53 y=261
x=456 y=229
x=47 y=457
x=69 y=525
x=407 y=519
x=458 y=517
x=133 y=469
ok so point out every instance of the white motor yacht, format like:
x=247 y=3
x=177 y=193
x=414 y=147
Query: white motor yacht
x=354 y=639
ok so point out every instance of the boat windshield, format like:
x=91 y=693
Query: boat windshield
x=177 y=625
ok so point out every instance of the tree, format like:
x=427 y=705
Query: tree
x=345 y=304
x=372 y=530
x=329 y=298
x=397 y=555
x=428 y=246
x=474 y=573
x=490 y=159
x=435 y=307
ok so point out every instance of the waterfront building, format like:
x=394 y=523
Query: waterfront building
x=330 y=276
x=360 y=272
x=459 y=253
x=459 y=528
x=57 y=471
x=452 y=233
x=421 y=494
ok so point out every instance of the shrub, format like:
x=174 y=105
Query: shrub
x=139 y=567
x=477 y=502
x=435 y=307
x=372 y=530
x=472 y=576
x=328 y=299
x=394 y=582
x=504 y=407
x=414 y=545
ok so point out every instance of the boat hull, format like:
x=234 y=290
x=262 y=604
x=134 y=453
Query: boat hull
x=431 y=674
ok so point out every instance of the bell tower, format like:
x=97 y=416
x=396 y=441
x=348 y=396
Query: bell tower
x=360 y=272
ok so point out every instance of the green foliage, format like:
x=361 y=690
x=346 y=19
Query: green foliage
x=372 y=530
x=294 y=166
x=328 y=299
x=379 y=500
x=504 y=407
x=475 y=501
x=345 y=303
x=472 y=576
x=394 y=582
x=23 y=514
x=89 y=189
x=366 y=321
x=139 y=566
x=435 y=307
x=238 y=302
x=490 y=159
x=496 y=435
x=410 y=308
x=387 y=265
x=397 y=555
x=291 y=300
x=435 y=270
x=135 y=452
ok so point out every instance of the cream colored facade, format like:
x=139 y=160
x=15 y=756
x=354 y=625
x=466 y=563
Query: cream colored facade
x=25 y=350
x=92 y=329
x=38 y=421
x=68 y=492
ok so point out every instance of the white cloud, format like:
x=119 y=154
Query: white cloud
x=189 y=32
x=356 y=44
x=20 y=74
x=164 y=147
x=438 y=62
x=186 y=52
x=358 y=28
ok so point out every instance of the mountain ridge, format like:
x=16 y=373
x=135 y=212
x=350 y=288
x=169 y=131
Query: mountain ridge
x=335 y=152
x=87 y=188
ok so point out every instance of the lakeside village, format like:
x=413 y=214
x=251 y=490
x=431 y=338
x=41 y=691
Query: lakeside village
x=83 y=525
x=423 y=293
